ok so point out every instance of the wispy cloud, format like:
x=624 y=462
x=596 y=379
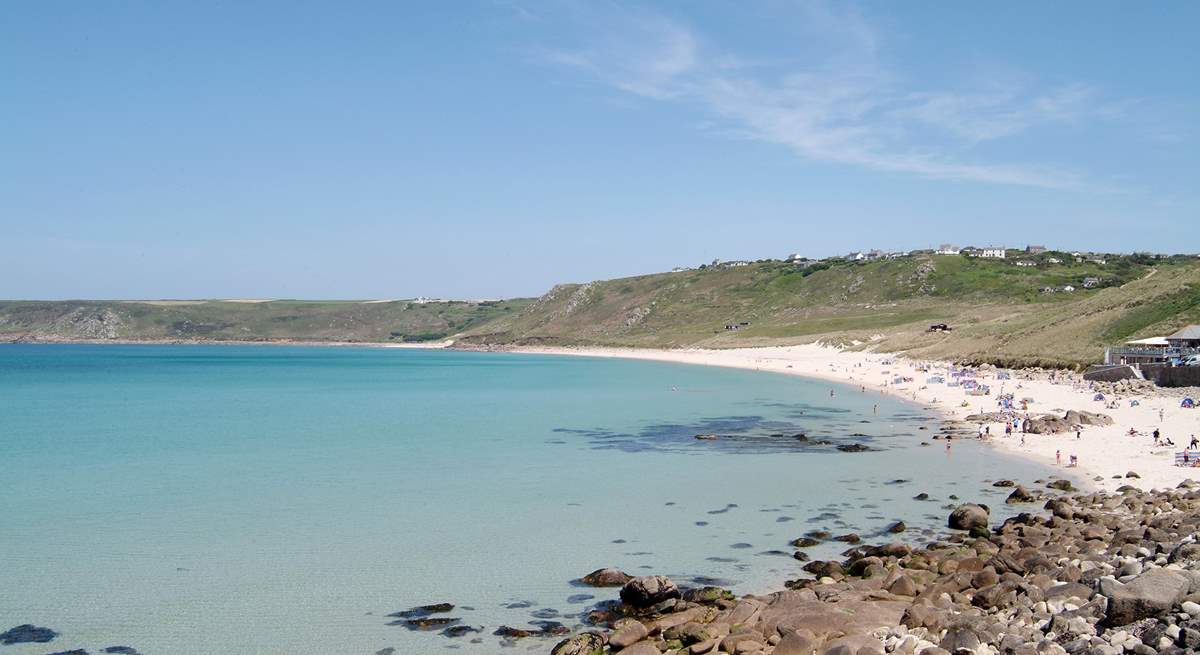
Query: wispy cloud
x=834 y=103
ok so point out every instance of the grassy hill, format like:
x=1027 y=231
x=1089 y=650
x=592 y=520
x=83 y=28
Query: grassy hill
x=1000 y=312
x=223 y=320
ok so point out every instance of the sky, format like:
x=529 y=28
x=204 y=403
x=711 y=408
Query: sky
x=494 y=148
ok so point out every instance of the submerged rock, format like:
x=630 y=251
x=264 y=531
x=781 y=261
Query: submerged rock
x=27 y=634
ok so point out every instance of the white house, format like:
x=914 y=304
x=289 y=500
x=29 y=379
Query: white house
x=1068 y=288
x=992 y=253
x=1054 y=260
x=947 y=249
x=856 y=256
x=1026 y=263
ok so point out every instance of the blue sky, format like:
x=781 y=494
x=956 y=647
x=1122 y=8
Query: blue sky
x=487 y=149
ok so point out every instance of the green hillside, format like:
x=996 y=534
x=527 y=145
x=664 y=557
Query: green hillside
x=1000 y=312
x=222 y=320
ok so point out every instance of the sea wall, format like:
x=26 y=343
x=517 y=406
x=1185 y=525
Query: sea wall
x=1172 y=376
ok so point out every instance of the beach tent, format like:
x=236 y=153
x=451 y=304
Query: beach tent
x=1098 y=396
x=1187 y=403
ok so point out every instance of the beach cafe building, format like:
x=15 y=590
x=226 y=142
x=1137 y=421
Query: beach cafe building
x=1156 y=350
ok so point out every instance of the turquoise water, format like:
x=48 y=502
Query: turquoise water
x=241 y=499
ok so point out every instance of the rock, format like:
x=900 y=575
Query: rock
x=77 y=651
x=627 y=635
x=606 y=577
x=27 y=634
x=642 y=592
x=854 y=448
x=421 y=611
x=903 y=586
x=1020 y=495
x=823 y=569
x=967 y=516
x=1003 y=483
x=126 y=650
x=642 y=648
x=1132 y=474
x=509 y=632
x=804 y=542
x=897 y=527
x=1061 y=485
x=1150 y=594
x=427 y=623
x=960 y=640
x=850 y=538
x=707 y=595
x=795 y=643
x=587 y=643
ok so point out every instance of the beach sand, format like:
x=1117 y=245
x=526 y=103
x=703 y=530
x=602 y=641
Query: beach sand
x=1104 y=452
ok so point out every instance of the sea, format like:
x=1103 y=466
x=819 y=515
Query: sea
x=232 y=499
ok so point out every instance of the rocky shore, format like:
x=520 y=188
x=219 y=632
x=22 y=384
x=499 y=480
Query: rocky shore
x=1100 y=573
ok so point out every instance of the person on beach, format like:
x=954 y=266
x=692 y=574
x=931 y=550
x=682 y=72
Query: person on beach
x=1078 y=433
x=1156 y=435
x=1194 y=443
x=1074 y=462
x=875 y=409
x=1058 y=457
x=1007 y=429
x=1160 y=414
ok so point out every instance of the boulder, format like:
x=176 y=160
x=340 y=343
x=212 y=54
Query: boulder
x=795 y=643
x=1020 y=495
x=968 y=516
x=627 y=635
x=606 y=577
x=587 y=643
x=1150 y=594
x=644 y=591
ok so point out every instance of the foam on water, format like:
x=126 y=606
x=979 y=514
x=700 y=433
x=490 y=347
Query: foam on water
x=237 y=499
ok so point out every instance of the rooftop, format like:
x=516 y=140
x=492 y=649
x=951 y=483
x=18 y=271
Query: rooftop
x=1189 y=332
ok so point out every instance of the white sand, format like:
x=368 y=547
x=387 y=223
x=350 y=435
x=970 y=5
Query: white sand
x=1101 y=451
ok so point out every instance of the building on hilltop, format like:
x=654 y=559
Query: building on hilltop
x=992 y=253
x=1091 y=282
x=1026 y=263
x=1035 y=250
x=947 y=249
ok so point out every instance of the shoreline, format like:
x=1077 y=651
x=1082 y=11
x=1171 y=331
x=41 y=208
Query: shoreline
x=1105 y=453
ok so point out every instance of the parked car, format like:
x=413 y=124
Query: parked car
x=1190 y=360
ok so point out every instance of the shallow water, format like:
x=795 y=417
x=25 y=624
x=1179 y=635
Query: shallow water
x=242 y=499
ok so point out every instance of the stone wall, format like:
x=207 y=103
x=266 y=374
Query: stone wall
x=1172 y=376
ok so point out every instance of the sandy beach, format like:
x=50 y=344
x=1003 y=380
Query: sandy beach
x=1102 y=453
